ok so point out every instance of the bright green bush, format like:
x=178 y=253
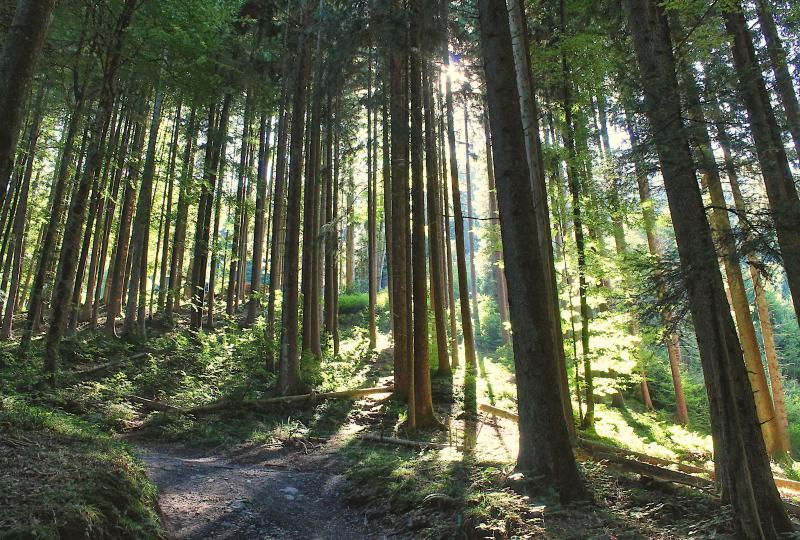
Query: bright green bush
x=353 y=303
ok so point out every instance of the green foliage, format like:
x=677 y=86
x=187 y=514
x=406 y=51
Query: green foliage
x=350 y=303
x=491 y=334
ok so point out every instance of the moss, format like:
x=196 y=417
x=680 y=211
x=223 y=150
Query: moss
x=61 y=478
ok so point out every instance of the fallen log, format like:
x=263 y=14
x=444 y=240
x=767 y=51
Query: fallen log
x=370 y=437
x=660 y=473
x=284 y=400
x=595 y=447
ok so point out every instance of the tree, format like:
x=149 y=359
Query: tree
x=742 y=465
x=545 y=449
x=21 y=49
x=781 y=190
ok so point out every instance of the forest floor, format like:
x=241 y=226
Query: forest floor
x=254 y=493
x=301 y=471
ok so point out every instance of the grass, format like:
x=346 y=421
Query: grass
x=61 y=477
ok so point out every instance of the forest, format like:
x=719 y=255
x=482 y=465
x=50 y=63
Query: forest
x=367 y=269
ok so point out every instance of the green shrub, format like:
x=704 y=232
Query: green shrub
x=353 y=303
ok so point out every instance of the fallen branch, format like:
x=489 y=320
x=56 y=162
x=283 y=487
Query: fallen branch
x=369 y=437
x=285 y=400
x=152 y=404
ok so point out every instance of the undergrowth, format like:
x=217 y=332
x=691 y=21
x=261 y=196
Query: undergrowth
x=61 y=477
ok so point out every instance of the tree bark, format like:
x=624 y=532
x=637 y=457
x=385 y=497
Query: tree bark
x=778 y=179
x=726 y=245
x=741 y=458
x=179 y=240
x=20 y=54
x=545 y=449
x=470 y=389
x=671 y=340
x=783 y=79
x=289 y=374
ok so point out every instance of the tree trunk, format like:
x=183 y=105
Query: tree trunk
x=122 y=247
x=767 y=335
x=168 y=214
x=423 y=401
x=497 y=249
x=372 y=236
x=742 y=463
x=235 y=267
x=781 y=190
x=473 y=276
x=21 y=49
x=671 y=340
x=403 y=344
x=289 y=374
x=575 y=189
x=49 y=240
x=20 y=218
x=134 y=323
x=783 y=79
x=215 y=199
x=179 y=241
x=264 y=132
x=278 y=203
x=545 y=450
x=435 y=223
x=721 y=227
x=470 y=389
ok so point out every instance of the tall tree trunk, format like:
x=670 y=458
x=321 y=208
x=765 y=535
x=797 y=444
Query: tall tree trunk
x=721 y=227
x=497 y=253
x=278 y=198
x=65 y=278
x=781 y=190
x=372 y=236
x=135 y=320
x=122 y=245
x=49 y=240
x=423 y=401
x=168 y=214
x=264 y=132
x=235 y=267
x=110 y=210
x=742 y=464
x=21 y=49
x=289 y=374
x=435 y=223
x=767 y=334
x=473 y=276
x=179 y=241
x=403 y=344
x=575 y=189
x=545 y=449
x=470 y=384
x=20 y=218
x=214 y=248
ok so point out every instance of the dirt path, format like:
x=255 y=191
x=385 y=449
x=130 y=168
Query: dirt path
x=253 y=494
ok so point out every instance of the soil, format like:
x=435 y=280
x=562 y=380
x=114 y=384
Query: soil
x=254 y=494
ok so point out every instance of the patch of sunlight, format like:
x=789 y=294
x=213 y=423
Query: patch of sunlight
x=645 y=432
